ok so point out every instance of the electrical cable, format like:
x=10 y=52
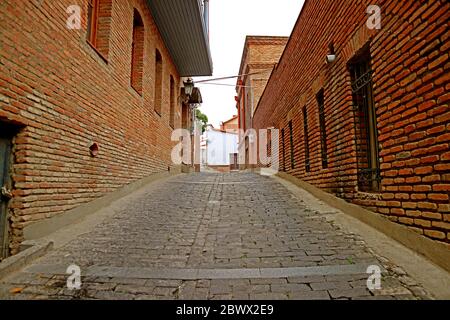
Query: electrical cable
x=233 y=77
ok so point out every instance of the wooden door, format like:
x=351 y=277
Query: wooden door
x=234 y=161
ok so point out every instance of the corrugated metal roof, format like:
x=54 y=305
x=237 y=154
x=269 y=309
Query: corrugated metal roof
x=182 y=27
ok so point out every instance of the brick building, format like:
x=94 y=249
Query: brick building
x=231 y=125
x=260 y=56
x=85 y=111
x=372 y=126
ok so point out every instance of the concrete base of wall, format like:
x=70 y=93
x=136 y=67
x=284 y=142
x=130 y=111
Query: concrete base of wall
x=436 y=252
x=46 y=227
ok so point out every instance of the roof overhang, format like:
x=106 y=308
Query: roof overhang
x=183 y=29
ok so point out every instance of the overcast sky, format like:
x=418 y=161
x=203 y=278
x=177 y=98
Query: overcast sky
x=230 y=22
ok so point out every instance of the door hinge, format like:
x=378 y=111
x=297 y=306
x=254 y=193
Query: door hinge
x=6 y=193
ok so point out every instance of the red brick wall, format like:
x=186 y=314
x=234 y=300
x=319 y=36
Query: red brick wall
x=68 y=97
x=410 y=60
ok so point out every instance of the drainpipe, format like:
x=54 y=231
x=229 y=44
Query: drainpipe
x=206 y=15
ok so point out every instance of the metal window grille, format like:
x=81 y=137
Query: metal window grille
x=367 y=150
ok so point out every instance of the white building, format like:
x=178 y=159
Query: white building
x=220 y=148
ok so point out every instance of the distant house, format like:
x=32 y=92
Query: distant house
x=220 y=148
x=231 y=125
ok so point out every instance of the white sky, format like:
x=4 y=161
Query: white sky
x=230 y=22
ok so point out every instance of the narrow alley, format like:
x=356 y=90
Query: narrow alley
x=212 y=236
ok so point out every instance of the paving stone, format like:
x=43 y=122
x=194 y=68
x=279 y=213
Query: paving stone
x=310 y=295
x=348 y=293
x=330 y=285
x=290 y=287
x=268 y=296
x=134 y=289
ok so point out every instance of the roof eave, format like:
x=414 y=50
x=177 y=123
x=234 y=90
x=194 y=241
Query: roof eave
x=182 y=27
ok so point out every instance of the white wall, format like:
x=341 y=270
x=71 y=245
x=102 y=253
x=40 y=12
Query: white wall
x=219 y=147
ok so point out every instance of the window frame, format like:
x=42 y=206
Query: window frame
x=137 y=62
x=365 y=122
x=93 y=12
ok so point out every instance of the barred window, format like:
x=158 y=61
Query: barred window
x=367 y=151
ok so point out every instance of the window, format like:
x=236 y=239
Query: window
x=137 y=63
x=283 y=150
x=99 y=25
x=269 y=143
x=158 y=81
x=172 y=102
x=323 y=134
x=367 y=151
x=305 y=128
x=291 y=142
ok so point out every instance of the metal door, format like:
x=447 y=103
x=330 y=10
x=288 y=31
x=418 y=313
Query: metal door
x=5 y=193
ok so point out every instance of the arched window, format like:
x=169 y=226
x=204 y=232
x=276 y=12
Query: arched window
x=99 y=25
x=158 y=81
x=137 y=62
x=172 y=102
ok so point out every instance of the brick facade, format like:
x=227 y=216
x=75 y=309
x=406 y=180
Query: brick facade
x=259 y=58
x=231 y=125
x=409 y=57
x=64 y=95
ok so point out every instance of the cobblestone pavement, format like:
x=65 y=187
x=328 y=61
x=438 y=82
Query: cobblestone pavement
x=213 y=236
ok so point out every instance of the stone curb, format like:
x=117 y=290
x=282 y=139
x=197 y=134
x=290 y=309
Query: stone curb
x=14 y=263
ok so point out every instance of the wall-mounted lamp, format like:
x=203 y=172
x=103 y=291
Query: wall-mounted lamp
x=188 y=86
x=331 y=57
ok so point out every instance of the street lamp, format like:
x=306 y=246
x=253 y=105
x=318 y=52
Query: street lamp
x=188 y=87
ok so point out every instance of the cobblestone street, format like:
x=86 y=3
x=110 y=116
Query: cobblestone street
x=213 y=236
